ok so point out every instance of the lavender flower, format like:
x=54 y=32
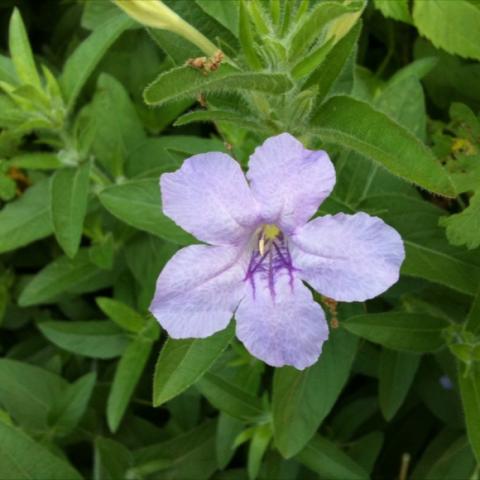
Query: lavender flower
x=261 y=248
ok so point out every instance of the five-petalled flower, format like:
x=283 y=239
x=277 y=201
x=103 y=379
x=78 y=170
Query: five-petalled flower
x=260 y=248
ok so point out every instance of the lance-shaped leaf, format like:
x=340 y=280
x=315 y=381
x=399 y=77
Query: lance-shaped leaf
x=396 y=373
x=326 y=459
x=187 y=82
x=22 y=457
x=302 y=399
x=354 y=124
x=69 y=197
x=21 y=51
x=78 y=275
x=469 y=383
x=411 y=332
x=86 y=56
x=138 y=203
x=129 y=370
x=225 y=116
x=26 y=219
x=182 y=362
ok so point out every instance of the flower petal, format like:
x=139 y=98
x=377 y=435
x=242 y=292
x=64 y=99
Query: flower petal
x=288 y=328
x=199 y=289
x=348 y=257
x=289 y=181
x=210 y=198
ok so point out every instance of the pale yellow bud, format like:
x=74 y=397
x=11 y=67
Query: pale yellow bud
x=155 y=14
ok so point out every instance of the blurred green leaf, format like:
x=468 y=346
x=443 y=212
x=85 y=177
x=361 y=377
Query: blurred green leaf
x=29 y=393
x=23 y=458
x=452 y=26
x=464 y=228
x=325 y=458
x=469 y=382
x=397 y=10
x=71 y=404
x=188 y=455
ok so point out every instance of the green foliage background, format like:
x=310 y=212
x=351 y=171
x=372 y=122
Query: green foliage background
x=94 y=107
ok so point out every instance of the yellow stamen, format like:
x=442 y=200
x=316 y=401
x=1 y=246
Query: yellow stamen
x=269 y=232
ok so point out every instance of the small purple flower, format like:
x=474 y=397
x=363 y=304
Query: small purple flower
x=261 y=248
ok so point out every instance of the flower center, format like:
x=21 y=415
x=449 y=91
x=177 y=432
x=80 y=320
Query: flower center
x=270 y=258
x=269 y=232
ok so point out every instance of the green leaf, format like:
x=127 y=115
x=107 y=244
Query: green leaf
x=366 y=449
x=224 y=12
x=124 y=316
x=472 y=322
x=469 y=382
x=226 y=116
x=86 y=56
x=29 y=393
x=114 y=459
x=95 y=339
x=353 y=124
x=464 y=228
x=23 y=458
x=452 y=26
x=245 y=36
x=182 y=362
x=326 y=459
x=257 y=448
x=70 y=406
x=21 y=51
x=128 y=373
x=187 y=82
x=138 y=203
x=69 y=197
x=396 y=373
x=411 y=332
x=338 y=61
x=397 y=9
x=229 y=398
x=447 y=456
x=428 y=256
x=188 y=455
x=36 y=161
x=64 y=275
x=118 y=129
x=228 y=430
x=302 y=399
x=26 y=219
x=334 y=19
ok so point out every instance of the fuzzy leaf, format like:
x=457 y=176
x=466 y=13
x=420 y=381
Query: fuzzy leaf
x=187 y=82
x=353 y=124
